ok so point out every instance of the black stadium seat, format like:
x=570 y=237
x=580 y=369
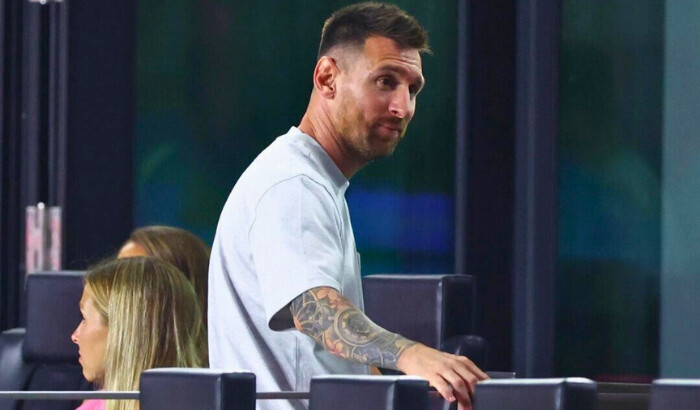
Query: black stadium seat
x=675 y=394
x=540 y=394
x=42 y=357
x=436 y=310
x=201 y=389
x=369 y=393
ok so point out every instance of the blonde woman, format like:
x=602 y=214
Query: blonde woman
x=138 y=313
x=177 y=246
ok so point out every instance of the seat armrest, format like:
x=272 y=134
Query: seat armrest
x=14 y=371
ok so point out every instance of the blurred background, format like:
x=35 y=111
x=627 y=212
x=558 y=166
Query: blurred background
x=216 y=82
x=553 y=155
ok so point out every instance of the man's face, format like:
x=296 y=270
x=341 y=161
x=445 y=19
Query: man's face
x=377 y=92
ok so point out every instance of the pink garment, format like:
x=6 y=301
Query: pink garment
x=92 y=405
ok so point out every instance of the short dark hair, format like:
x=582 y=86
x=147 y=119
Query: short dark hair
x=355 y=23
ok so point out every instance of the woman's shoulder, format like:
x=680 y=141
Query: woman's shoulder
x=92 y=405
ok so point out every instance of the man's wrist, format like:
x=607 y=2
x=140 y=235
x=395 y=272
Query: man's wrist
x=406 y=356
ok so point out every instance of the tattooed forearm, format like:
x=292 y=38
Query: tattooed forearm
x=342 y=329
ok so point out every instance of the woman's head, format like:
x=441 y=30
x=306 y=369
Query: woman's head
x=149 y=317
x=176 y=246
x=91 y=337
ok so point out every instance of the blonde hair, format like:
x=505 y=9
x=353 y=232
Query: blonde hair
x=153 y=320
x=182 y=249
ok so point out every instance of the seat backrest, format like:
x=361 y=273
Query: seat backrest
x=52 y=316
x=541 y=394
x=426 y=308
x=202 y=389
x=368 y=393
x=676 y=394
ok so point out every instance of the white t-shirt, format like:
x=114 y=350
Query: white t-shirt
x=285 y=229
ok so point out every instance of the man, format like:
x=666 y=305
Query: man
x=285 y=293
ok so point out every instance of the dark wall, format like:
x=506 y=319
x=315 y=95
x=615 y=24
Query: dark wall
x=67 y=131
x=101 y=102
x=490 y=170
x=10 y=24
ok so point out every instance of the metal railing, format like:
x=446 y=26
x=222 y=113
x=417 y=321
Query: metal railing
x=126 y=395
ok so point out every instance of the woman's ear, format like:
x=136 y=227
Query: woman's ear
x=325 y=76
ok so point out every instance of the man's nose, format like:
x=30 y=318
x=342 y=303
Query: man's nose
x=401 y=104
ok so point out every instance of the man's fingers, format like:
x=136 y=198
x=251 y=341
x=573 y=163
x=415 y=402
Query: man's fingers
x=465 y=403
x=443 y=388
x=469 y=378
x=474 y=369
x=460 y=385
x=454 y=377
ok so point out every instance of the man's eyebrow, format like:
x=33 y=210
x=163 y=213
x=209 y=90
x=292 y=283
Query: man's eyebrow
x=401 y=70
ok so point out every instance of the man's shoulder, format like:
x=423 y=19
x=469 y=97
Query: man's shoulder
x=284 y=159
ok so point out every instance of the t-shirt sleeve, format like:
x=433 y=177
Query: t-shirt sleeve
x=296 y=246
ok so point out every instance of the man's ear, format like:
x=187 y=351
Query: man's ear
x=325 y=76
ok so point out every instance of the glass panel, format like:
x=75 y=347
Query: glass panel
x=609 y=189
x=218 y=80
x=680 y=281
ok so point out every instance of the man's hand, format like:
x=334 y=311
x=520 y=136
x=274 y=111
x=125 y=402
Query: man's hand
x=454 y=377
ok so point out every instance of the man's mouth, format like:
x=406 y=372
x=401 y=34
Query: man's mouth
x=393 y=128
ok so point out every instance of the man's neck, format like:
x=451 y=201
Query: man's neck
x=317 y=124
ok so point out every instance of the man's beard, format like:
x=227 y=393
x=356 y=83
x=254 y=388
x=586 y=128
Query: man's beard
x=358 y=142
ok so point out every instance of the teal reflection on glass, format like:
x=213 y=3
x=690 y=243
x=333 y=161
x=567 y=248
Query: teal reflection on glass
x=218 y=80
x=611 y=83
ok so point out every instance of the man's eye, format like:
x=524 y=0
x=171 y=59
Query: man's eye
x=385 y=83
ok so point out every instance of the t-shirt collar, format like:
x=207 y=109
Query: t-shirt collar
x=340 y=182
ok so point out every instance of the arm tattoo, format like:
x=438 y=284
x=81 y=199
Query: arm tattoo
x=342 y=329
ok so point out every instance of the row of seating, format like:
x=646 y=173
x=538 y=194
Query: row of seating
x=584 y=394
x=206 y=389
x=431 y=309
x=408 y=393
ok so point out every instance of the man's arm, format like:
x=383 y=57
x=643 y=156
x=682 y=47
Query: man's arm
x=342 y=329
x=336 y=324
